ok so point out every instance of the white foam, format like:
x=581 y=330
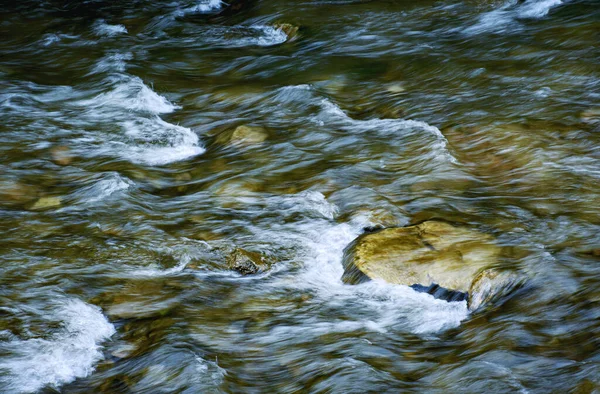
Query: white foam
x=50 y=39
x=102 y=28
x=244 y=36
x=64 y=356
x=374 y=305
x=132 y=94
x=505 y=18
x=146 y=139
x=202 y=6
x=159 y=142
x=536 y=9
x=310 y=201
x=333 y=114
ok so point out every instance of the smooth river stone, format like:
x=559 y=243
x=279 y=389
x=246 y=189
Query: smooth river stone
x=424 y=255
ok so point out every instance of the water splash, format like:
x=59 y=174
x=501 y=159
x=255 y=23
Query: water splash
x=63 y=356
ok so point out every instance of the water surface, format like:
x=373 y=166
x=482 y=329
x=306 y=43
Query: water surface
x=120 y=197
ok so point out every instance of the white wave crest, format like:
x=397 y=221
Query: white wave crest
x=61 y=358
x=110 y=186
x=537 y=9
x=333 y=113
x=132 y=94
x=158 y=142
x=101 y=28
x=244 y=36
x=311 y=201
x=268 y=36
x=506 y=17
x=374 y=305
x=146 y=139
x=202 y=6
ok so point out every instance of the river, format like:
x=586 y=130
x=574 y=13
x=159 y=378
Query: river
x=124 y=192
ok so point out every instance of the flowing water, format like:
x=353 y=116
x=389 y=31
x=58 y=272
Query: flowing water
x=121 y=197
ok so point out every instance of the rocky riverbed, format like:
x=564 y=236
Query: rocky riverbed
x=194 y=192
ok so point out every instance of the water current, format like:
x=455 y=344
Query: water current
x=123 y=191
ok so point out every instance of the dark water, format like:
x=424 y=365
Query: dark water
x=121 y=196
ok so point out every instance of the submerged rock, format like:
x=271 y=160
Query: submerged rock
x=46 y=203
x=17 y=193
x=246 y=263
x=434 y=256
x=244 y=135
x=591 y=116
x=61 y=155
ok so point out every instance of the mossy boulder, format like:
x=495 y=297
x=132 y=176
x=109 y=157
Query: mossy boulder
x=435 y=256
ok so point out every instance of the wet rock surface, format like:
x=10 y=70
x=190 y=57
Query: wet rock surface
x=434 y=257
x=377 y=115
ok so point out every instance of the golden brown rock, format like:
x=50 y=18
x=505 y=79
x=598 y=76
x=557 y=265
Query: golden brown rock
x=15 y=192
x=433 y=252
x=249 y=135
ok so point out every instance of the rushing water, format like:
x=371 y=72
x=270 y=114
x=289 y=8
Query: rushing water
x=120 y=197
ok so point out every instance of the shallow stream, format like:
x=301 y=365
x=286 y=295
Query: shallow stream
x=122 y=194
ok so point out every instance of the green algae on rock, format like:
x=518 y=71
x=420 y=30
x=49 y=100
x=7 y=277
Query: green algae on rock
x=433 y=252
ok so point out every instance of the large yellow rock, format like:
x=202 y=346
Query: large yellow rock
x=431 y=252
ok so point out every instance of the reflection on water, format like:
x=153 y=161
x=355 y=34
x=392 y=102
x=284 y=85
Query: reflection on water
x=127 y=183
